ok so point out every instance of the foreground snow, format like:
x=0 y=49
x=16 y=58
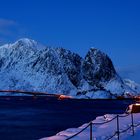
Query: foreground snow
x=104 y=131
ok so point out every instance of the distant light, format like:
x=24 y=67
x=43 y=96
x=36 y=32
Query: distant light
x=61 y=97
x=137 y=104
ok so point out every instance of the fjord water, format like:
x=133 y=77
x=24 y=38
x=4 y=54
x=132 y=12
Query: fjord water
x=28 y=118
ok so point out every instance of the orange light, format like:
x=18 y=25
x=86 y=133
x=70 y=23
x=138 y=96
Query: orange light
x=137 y=104
x=61 y=97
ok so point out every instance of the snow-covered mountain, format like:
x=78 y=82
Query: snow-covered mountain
x=28 y=65
x=134 y=86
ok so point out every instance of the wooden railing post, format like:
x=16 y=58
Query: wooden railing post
x=132 y=124
x=118 y=129
x=90 y=130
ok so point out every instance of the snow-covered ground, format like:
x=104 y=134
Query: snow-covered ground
x=104 y=131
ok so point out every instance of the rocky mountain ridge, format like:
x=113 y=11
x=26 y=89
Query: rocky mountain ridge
x=28 y=65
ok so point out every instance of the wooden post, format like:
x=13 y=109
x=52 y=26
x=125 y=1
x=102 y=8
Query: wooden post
x=90 y=130
x=132 y=124
x=118 y=131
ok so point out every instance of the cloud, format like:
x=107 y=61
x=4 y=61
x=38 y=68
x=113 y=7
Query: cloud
x=7 y=23
x=6 y=27
x=10 y=30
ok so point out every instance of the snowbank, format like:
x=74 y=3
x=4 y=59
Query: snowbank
x=104 y=131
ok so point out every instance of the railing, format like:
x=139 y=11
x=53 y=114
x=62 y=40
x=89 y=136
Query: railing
x=116 y=133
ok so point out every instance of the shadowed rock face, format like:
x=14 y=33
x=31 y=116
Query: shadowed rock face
x=97 y=67
x=71 y=65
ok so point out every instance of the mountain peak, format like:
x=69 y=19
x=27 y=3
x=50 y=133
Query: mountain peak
x=98 y=67
x=95 y=51
x=25 y=42
x=29 y=43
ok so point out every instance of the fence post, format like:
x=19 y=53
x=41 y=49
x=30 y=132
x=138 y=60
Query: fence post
x=118 y=131
x=132 y=124
x=90 y=130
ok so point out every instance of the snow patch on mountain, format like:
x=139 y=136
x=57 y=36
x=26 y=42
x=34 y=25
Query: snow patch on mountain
x=133 y=85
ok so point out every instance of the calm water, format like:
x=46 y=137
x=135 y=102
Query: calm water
x=25 y=118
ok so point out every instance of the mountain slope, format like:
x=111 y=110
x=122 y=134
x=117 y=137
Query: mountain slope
x=27 y=65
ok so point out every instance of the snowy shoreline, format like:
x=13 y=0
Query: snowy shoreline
x=103 y=131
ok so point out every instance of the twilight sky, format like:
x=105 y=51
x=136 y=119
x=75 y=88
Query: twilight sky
x=110 y=25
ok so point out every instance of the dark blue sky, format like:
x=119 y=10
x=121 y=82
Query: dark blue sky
x=110 y=25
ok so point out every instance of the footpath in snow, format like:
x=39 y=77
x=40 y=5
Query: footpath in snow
x=103 y=128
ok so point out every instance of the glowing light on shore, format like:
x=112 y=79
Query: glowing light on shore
x=62 y=97
x=137 y=104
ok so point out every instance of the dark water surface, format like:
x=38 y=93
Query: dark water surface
x=26 y=118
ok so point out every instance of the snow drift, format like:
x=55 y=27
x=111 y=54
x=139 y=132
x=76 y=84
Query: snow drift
x=103 y=131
